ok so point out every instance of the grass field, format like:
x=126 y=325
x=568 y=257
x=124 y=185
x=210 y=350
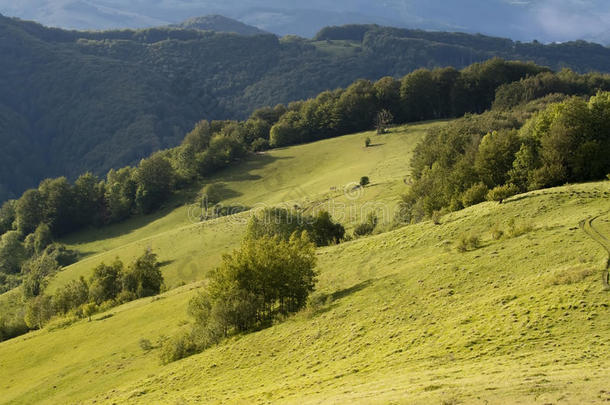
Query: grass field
x=302 y=174
x=404 y=317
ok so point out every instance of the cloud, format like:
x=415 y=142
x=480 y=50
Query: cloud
x=562 y=20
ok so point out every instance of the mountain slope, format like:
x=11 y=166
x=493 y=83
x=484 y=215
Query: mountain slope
x=91 y=101
x=401 y=316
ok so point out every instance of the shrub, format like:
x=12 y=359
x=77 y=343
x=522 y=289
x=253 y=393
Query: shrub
x=178 y=347
x=90 y=309
x=283 y=223
x=496 y=232
x=516 y=230
x=38 y=311
x=143 y=277
x=260 y=145
x=367 y=142
x=468 y=242
x=474 y=195
x=500 y=193
x=436 y=217
x=364 y=180
x=145 y=345
x=367 y=227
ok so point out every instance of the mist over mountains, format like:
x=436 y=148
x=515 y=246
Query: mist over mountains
x=525 y=20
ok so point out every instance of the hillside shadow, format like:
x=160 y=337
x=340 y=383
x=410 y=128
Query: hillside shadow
x=240 y=171
x=243 y=171
x=337 y=295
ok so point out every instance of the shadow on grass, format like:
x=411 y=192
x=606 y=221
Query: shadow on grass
x=240 y=171
x=337 y=295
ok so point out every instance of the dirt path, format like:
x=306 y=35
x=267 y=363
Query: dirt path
x=587 y=225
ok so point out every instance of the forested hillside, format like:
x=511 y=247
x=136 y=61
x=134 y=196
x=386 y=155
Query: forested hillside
x=76 y=101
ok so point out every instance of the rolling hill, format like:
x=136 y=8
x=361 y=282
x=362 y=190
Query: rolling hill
x=400 y=317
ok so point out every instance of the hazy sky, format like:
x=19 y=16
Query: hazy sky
x=545 y=20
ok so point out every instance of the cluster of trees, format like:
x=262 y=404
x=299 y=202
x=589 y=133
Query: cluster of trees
x=64 y=207
x=109 y=285
x=564 y=82
x=498 y=154
x=281 y=222
x=267 y=277
x=421 y=95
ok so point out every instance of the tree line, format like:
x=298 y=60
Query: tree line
x=108 y=286
x=59 y=207
x=545 y=143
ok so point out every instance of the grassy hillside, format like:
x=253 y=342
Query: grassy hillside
x=302 y=174
x=401 y=317
x=407 y=320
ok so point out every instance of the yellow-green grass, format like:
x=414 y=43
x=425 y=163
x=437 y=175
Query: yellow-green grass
x=522 y=319
x=311 y=175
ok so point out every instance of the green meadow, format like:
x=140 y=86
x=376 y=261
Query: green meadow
x=399 y=317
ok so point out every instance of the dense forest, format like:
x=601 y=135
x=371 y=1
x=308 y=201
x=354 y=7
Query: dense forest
x=72 y=101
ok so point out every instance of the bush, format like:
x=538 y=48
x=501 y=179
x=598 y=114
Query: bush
x=500 y=193
x=260 y=145
x=436 y=217
x=143 y=277
x=283 y=223
x=475 y=195
x=177 y=348
x=468 y=242
x=367 y=227
x=145 y=345
x=496 y=232
x=364 y=180
x=516 y=230
x=367 y=142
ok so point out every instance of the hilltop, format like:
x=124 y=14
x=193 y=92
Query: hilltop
x=400 y=316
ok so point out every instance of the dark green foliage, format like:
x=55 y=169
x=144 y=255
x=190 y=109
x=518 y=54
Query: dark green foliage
x=475 y=194
x=29 y=211
x=282 y=223
x=12 y=327
x=12 y=252
x=260 y=145
x=367 y=227
x=35 y=274
x=106 y=282
x=143 y=277
x=500 y=193
x=126 y=94
x=364 y=181
x=567 y=141
x=38 y=311
x=8 y=215
x=265 y=278
x=72 y=295
x=154 y=177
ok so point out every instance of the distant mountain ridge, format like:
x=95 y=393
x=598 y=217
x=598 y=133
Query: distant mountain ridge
x=218 y=23
x=524 y=20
